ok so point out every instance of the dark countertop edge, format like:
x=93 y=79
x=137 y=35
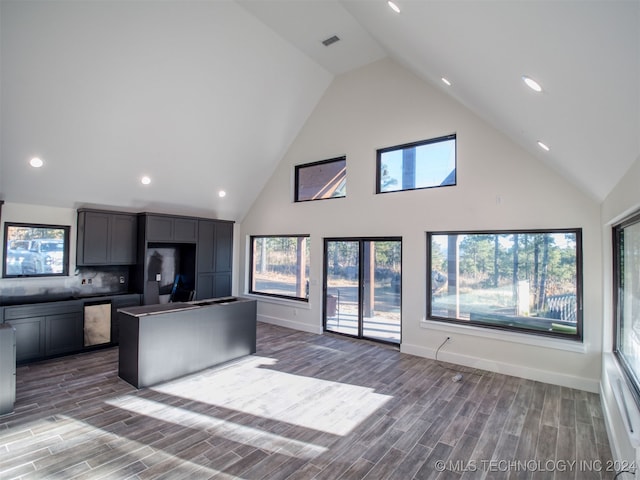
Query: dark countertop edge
x=18 y=302
x=160 y=308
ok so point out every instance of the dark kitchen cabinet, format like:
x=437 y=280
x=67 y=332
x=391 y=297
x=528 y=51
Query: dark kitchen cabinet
x=30 y=338
x=214 y=259
x=166 y=228
x=106 y=238
x=213 y=285
x=63 y=333
x=46 y=329
x=122 y=301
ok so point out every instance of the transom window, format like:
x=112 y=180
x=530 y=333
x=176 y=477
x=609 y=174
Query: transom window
x=280 y=266
x=626 y=288
x=321 y=180
x=424 y=164
x=527 y=281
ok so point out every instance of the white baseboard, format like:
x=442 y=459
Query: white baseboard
x=555 y=378
x=281 y=322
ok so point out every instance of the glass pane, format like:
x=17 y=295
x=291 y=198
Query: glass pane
x=281 y=266
x=321 y=180
x=515 y=280
x=35 y=250
x=342 y=297
x=381 y=290
x=418 y=166
x=629 y=320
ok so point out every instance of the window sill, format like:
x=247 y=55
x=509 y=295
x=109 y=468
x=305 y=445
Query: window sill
x=514 y=337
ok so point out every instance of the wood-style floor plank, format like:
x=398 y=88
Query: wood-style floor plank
x=303 y=407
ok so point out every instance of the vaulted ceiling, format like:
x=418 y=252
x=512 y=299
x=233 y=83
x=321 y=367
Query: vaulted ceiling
x=207 y=96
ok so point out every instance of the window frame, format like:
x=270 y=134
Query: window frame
x=419 y=143
x=298 y=168
x=34 y=254
x=251 y=289
x=632 y=378
x=577 y=337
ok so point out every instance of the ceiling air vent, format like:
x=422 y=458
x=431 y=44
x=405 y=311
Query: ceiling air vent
x=330 y=40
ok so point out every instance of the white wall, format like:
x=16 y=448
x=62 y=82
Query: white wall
x=499 y=187
x=623 y=200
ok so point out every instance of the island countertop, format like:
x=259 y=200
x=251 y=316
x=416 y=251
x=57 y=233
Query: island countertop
x=176 y=306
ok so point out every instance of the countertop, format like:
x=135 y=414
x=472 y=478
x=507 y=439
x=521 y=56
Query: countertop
x=177 y=306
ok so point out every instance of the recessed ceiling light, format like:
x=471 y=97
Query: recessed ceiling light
x=446 y=81
x=222 y=193
x=145 y=180
x=543 y=146
x=393 y=6
x=531 y=83
x=36 y=162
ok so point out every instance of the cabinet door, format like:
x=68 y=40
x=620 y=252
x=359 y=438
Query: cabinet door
x=124 y=234
x=159 y=229
x=116 y=303
x=185 y=230
x=30 y=334
x=93 y=238
x=206 y=257
x=222 y=285
x=63 y=333
x=204 y=287
x=223 y=247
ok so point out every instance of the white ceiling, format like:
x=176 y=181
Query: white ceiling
x=209 y=95
x=586 y=55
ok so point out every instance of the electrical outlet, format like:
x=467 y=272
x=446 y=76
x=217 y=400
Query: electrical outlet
x=90 y=281
x=121 y=278
x=158 y=277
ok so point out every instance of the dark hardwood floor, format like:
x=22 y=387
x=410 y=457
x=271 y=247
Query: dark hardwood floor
x=305 y=406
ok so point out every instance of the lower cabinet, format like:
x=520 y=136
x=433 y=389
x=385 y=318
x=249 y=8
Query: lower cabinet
x=50 y=329
x=30 y=336
x=121 y=302
x=63 y=333
x=48 y=335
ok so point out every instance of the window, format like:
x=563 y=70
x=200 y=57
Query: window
x=280 y=266
x=321 y=180
x=35 y=250
x=425 y=164
x=527 y=281
x=626 y=301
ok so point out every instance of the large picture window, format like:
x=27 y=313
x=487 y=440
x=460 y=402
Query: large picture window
x=321 y=180
x=626 y=253
x=280 y=266
x=526 y=281
x=35 y=250
x=425 y=164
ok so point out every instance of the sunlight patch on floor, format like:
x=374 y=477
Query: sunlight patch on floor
x=233 y=431
x=313 y=403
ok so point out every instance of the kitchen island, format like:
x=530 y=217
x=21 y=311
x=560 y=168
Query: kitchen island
x=166 y=341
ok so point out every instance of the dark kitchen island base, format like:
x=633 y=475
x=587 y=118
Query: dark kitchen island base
x=162 y=342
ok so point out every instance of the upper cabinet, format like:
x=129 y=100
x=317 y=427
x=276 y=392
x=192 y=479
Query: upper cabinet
x=165 y=228
x=106 y=238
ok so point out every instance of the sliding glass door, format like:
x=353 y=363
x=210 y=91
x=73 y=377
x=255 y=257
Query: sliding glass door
x=362 y=280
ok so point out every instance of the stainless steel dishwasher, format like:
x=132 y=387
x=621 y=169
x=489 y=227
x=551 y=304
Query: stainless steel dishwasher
x=97 y=323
